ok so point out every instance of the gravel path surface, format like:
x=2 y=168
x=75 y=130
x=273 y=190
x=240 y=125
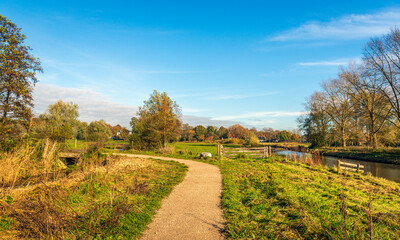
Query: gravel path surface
x=192 y=210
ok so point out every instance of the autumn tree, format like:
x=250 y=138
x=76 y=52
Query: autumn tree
x=238 y=131
x=157 y=122
x=18 y=68
x=188 y=132
x=61 y=120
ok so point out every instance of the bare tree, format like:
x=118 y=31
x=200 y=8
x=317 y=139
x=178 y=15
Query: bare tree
x=382 y=58
x=338 y=105
x=366 y=90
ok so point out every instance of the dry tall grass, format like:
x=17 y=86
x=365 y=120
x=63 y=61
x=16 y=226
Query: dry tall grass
x=29 y=161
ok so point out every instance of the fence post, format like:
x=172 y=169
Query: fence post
x=338 y=165
x=265 y=152
x=221 y=150
x=358 y=167
x=270 y=151
x=217 y=149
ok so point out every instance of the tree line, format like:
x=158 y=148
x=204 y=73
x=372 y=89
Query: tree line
x=211 y=133
x=362 y=104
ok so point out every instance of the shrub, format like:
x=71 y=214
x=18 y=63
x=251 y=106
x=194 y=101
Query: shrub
x=252 y=140
x=231 y=141
x=167 y=150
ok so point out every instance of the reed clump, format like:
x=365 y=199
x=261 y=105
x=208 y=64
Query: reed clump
x=28 y=162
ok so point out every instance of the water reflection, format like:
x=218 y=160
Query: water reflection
x=383 y=170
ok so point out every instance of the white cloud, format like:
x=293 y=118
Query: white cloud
x=336 y=62
x=352 y=26
x=92 y=105
x=206 y=121
x=258 y=115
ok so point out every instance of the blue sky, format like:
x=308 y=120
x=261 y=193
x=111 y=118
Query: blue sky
x=223 y=62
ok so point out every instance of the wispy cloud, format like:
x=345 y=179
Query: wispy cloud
x=240 y=96
x=165 y=71
x=193 y=110
x=346 y=27
x=335 y=62
x=207 y=121
x=258 y=115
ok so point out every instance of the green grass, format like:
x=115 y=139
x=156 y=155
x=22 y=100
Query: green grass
x=278 y=199
x=274 y=199
x=196 y=148
x=115 y=203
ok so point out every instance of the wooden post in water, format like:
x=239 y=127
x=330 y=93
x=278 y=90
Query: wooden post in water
x=358 y=167
x=338 y=165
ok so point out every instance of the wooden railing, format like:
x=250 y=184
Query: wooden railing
x=254 y=152
x=350 y=166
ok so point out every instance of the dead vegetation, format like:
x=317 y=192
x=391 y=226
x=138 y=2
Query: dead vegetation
x=98 y=197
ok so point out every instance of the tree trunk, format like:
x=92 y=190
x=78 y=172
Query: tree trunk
x=374 y=141
x=343 y=137
x=6 y=106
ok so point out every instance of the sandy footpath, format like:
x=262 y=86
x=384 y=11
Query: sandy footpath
x=192 y=210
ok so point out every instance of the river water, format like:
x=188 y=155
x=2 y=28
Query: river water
x=383 y=170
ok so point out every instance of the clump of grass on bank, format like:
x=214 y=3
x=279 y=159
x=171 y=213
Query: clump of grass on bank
x=29 y=162
x=385 y=155
x=102 y=197
x=276 y=199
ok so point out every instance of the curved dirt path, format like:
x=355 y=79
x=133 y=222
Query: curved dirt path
x=192 y=210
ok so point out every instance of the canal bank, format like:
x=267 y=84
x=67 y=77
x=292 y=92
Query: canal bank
x=388 y=171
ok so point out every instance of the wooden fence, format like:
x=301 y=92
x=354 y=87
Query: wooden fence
x=350 y=166
x=255 y=152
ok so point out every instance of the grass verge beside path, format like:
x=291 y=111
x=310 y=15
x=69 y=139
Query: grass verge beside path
x=274 y=199
x=115 y=201
x=278 y=199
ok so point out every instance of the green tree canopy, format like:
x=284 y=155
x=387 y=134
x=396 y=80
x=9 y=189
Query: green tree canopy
x=223 y=132
x=157 y=122
x=200 y=132
x=99 y=131
x=61 y=120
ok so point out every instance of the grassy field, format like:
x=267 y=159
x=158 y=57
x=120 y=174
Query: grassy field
x=278 y=199
x=274 y=199
x=113 y=198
